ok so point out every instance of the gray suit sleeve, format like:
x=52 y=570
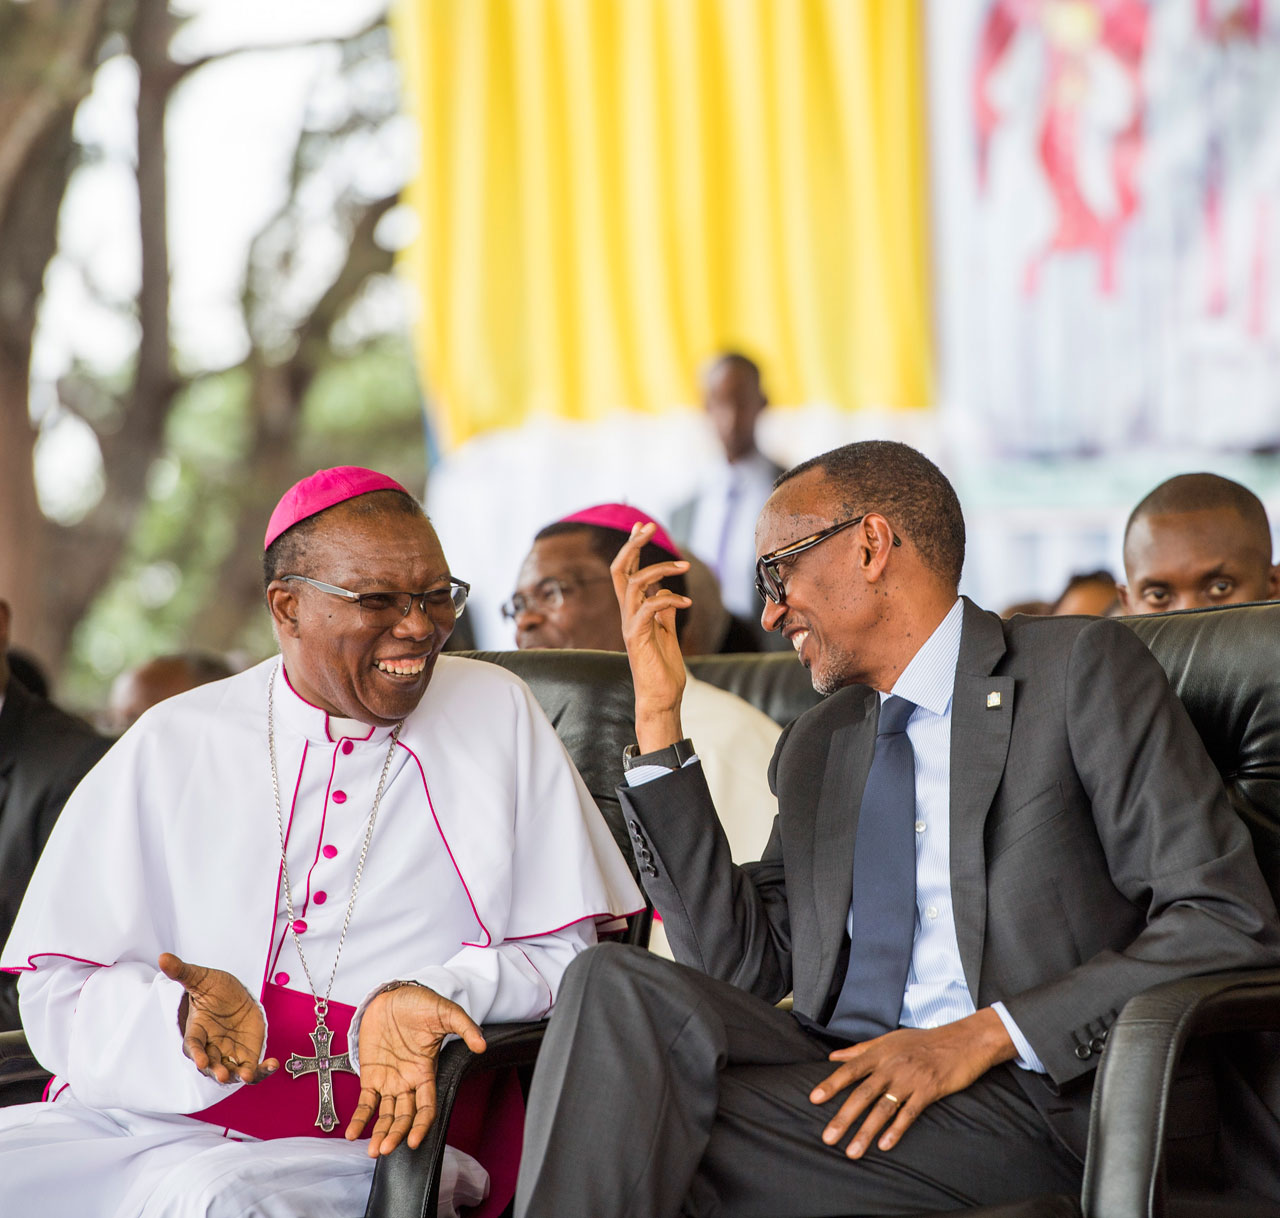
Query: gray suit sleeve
x=724 y=920
x=1173 y=847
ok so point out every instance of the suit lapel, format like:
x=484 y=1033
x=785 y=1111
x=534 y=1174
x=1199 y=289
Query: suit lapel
x=981 y=721
x=835 y=826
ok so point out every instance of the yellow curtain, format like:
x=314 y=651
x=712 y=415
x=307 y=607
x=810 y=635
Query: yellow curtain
x=611 y=190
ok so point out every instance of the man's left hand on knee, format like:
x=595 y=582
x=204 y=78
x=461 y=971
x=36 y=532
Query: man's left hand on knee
x=900 y=1074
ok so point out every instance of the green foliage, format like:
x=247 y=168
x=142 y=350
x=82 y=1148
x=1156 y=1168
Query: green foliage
x=362 y=409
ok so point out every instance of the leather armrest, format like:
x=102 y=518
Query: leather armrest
x=406 y=1183
x=17 y=1065
x=1131 y=1095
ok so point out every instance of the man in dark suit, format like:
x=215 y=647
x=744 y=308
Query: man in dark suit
x=44 y=753
x=1068 y=843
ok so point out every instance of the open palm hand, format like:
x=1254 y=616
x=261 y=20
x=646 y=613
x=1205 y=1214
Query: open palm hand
x=223 y=1031
x=400 y=1037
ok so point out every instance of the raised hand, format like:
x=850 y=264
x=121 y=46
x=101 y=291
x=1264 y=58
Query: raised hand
x=649 y=631
x=905 y=1071
x=223 y=1031
x=400 y=1036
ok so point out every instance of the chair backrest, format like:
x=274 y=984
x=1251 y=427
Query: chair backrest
x=590 y=701
x=1224 y=664
x=773 y=681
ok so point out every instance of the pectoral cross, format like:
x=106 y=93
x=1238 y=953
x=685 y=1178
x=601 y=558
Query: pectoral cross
x=322 y=1066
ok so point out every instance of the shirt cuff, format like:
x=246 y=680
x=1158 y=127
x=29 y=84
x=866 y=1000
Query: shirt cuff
x=1026 y=1058
x=647 y=773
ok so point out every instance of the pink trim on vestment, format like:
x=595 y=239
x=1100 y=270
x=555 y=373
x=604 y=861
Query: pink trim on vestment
x=31 y=966
x=58 y=1092
x=284 y=673
x=454 y=861
x=324 y=816
x=536 y=969
x=300 y=698
x=272 y=961
x=596 y=917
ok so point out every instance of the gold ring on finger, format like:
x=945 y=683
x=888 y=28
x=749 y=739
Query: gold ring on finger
x=893 y=1099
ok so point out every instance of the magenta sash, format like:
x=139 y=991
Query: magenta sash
x=487 y=1120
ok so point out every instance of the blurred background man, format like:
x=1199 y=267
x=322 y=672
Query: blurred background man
x=1194 y=541
x=137 y=689
x=44 y=752
x=718 y=523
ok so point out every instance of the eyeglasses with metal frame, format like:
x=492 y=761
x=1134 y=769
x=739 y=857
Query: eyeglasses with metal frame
x=769 y=582
x=547 y=594
x=387 y=608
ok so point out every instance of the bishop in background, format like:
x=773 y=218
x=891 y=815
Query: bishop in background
x=262 y=912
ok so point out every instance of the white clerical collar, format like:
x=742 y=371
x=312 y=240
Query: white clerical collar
x=298 y=715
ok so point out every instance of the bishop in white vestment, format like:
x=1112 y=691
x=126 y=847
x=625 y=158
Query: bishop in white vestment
x=486 y=869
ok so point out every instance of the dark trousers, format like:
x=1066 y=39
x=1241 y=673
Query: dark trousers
x=660 y=1091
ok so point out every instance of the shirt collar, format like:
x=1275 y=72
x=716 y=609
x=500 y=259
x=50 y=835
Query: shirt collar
x=295 y=713
x=930 y=678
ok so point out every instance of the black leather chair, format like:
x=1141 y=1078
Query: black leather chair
x=1158 y=1148
x=1219 y=1153
x=773 y=682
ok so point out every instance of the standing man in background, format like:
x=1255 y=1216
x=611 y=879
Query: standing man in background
x=718 y=523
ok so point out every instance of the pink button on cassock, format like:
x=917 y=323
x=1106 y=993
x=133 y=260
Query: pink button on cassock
x=300 y=927
x=320 y=898
x=339 y=797
x=347 y=746
x=330 y=852
x=282 y=979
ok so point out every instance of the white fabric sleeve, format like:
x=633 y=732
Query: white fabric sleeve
x=516 y=980
x=647 y=773
x=1026 y=1058
x=112 y=1034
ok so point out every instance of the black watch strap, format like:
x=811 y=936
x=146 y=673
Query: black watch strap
x=672 y=757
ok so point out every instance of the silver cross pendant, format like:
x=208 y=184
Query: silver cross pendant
x=322 y=1066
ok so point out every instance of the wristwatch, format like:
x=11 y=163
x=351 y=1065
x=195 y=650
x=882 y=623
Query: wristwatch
x=672 y=757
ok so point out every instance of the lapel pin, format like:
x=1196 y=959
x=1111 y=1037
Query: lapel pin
x=993 y=699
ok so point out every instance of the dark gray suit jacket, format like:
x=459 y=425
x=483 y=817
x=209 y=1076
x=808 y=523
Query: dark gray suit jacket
x=44 y=752
x=1093 y=849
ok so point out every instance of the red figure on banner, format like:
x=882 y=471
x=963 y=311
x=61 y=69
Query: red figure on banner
x=1073 y=33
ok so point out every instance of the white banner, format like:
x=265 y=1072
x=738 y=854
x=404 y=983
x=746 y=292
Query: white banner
x=1107 y=224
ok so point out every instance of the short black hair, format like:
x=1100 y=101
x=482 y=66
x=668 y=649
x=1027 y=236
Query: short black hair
x=1203 y=492
x=1084 y=579
x=287 y=554
x=905 y=487
x=735 y=359
x=606 y=543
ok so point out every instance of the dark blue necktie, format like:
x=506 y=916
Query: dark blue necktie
x=884 y=885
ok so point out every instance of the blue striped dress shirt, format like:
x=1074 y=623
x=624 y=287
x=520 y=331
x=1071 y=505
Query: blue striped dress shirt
x=936 y=990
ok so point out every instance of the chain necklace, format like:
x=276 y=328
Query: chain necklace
x=323 y=1063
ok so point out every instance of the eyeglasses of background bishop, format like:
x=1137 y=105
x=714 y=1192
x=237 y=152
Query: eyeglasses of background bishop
x=772 y=568
x=380 y=610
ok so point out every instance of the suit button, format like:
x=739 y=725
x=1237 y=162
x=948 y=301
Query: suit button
x=646 y=856
x=1083 y=1052
x=1098 y=1043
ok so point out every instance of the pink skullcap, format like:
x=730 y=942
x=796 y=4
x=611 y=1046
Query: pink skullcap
x=622 y=516
x=324 y=489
